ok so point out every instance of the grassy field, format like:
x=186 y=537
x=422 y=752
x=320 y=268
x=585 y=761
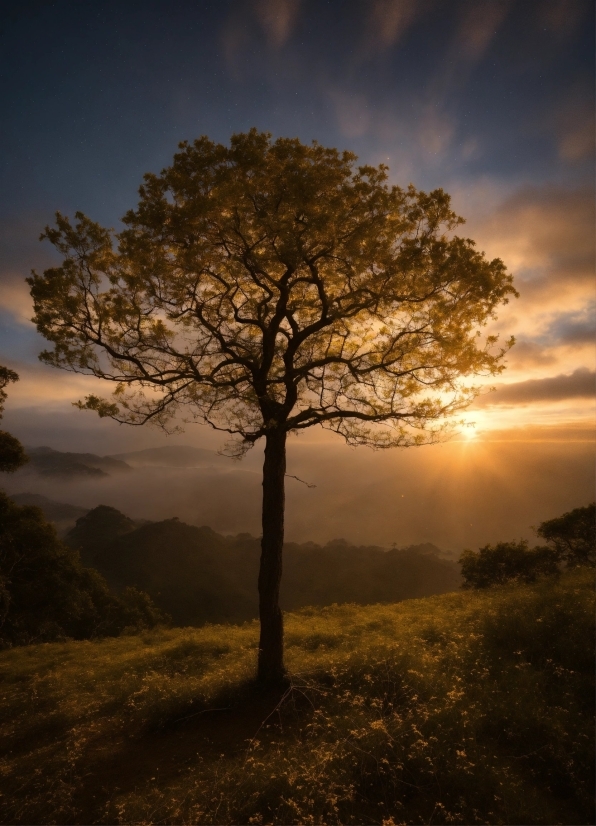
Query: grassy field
x=464 y=708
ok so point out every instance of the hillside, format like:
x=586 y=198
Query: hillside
x=197 y=576
x=462 y=708
x=49 y=462
x=172 y=456
x=61 y=514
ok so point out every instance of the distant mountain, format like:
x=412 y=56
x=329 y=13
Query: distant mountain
x=198 y=576
x=172 y=456
x=339 y=572
x=98 y=529
x=49 y=462
x=62 y=515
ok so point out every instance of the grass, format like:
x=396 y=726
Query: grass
x=464 y=708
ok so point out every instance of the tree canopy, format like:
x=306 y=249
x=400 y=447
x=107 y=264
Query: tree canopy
x=275 y=284
x=571 y=541
x=573 y=535
x=12 y=452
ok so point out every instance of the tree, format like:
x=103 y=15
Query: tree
x=573 y=535
x=12 y=453
x=506 y=562
x=267 y=287
x=45 y=592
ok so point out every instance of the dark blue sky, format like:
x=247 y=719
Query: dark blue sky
x=95 y=94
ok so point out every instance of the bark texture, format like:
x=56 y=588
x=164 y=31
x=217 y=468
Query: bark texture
x=271 y=659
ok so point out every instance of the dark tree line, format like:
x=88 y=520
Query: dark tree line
x=570 y=542
x=46 y=594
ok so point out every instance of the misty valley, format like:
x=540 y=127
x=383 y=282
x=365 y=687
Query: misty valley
x=196 y=575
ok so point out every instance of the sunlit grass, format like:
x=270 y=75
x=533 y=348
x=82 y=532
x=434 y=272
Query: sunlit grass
x=463 y=708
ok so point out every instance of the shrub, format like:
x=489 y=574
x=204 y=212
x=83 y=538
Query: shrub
x=506 y=562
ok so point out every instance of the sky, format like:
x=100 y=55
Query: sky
x=493 y=100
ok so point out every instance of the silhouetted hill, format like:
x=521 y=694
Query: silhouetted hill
x=96 y=530
x=61 y=514
x=315 y=575
x=192 y=570
x=197 y=575
x=49 y=462
x=172 y=456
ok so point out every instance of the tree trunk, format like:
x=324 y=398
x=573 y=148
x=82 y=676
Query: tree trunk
x=271 y=653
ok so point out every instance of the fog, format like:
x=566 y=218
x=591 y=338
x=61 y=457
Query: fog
x=455 y=495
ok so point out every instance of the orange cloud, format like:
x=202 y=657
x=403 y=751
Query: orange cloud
x=387 y=21
x=545 y=234
x=579 y=384
x=478 y=27
x=15 y=298
x=45 y=386
x=277 y=19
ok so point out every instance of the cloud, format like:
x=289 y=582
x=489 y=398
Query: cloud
x=544 y=234
x=16 y=299
x=235 y=40
x=277 y=19
x=561 y=17
x=575 y=128
x=246 y=25
x=579 y=384
x=575 y=327
x=421 y=140
x=387 y=22
x=479 y=25
x=435 y=132
x=530 y=354
x=560 y=336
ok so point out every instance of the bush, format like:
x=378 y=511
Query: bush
x=506 y=562
x=12 y=453
x=45 y=592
